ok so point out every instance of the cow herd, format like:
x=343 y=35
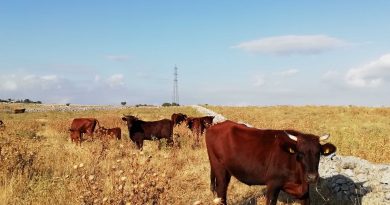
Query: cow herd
x=283 y=160
x=140 y=130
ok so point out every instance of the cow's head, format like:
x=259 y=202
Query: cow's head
x=178 y=118
x=129 y=119
x=307 y=150
x=75 y=134
x=208 y=121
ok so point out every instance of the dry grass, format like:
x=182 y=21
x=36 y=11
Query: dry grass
x=39 y=164
x=357 y=131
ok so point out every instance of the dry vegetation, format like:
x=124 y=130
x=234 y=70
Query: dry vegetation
x=357 y=131
x=39 y=164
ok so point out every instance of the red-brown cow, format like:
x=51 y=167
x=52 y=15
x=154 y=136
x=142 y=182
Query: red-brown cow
x=198 y=125
x=109 y=132
x=80 y=126
x=17 y=111
x=2 y=125
x=178 y=118
x=282 y=160
x=140 y=130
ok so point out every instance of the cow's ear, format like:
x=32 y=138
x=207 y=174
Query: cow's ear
x=124 y=118
x=289 y=147
x=328 y=149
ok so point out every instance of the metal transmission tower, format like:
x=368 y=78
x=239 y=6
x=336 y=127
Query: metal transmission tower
x=175 y=98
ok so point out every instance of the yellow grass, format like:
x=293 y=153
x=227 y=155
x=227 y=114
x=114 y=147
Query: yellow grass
x=39 y=164
x=357 y=131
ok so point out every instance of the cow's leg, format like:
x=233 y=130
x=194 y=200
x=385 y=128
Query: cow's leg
x=140 y=144
x=89 y=133
x=222 y=183
x=79 y=138
x=170 y=141
x=212 y=180
x=272 y=194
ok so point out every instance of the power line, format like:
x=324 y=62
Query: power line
x=175 y=97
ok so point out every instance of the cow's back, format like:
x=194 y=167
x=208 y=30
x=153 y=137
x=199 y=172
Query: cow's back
x=160 y=129
x=245 y=152
x=82 y=124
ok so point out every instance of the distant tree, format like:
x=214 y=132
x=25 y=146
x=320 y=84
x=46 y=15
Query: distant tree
x=27 y=101
x=39 y=102
x=123 y=103
x=67 y=104
x=175 y=104
x=166 y=104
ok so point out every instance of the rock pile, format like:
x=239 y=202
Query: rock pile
x=71 y=108
x=354 y=179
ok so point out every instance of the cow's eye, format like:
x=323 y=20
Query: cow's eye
x=300 y=155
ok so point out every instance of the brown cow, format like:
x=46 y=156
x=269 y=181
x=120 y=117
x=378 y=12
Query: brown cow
x=2 y=125
x=109 y=132
x=282 y=160
x=17 y=111
x=178 y=118
x=140 y=130
x=80 y=126
x=198 y=125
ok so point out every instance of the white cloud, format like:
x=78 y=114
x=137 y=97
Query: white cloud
x=115 y=80
x=288 y=73
x=373 y=74
x=28 y=82
x=259 y=81
x=118 y=58
x=97 y=78
x=292 y=44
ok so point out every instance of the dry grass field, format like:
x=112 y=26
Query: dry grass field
x=357 y=131
x=39 y=164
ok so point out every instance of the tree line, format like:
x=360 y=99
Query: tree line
x=9 y=100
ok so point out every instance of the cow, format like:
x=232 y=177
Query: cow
x=140 y=130
x=280 y=159
x=198 y=125
x=80 y=126
x=2 y=125
x=17 y=111
x=109 y=132
x=178 y=118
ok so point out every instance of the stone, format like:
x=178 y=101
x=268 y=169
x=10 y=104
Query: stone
x=385 y=179
x=349 y=173
x=339 y=196
x=387 y=196
x=340 y=181
x=336 y=189
x=361 y=178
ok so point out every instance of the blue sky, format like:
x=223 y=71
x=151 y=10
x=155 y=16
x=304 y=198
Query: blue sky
x=228 y=52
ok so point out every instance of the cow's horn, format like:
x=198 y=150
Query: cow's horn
x=324 y=137
x=291 y=136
